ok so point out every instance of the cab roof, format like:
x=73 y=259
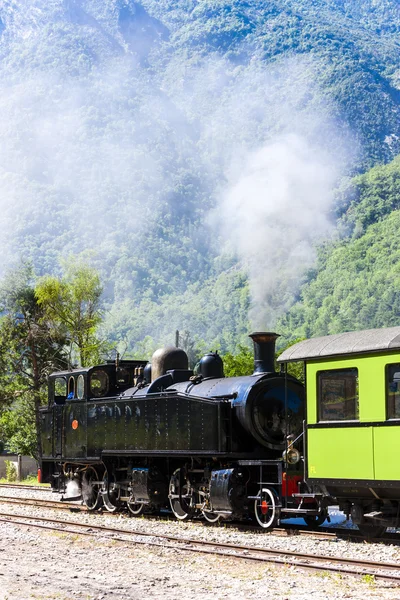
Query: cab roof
x=339 y=344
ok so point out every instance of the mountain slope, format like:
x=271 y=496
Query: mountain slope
x=127 y=126
x=356 y=284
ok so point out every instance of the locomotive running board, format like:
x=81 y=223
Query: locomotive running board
x=316 y=495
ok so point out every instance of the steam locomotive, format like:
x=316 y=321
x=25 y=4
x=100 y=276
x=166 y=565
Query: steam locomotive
x=145 y=436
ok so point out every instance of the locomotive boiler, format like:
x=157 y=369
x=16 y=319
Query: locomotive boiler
x=146 y=436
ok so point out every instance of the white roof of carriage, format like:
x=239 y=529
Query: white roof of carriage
x=351 y=342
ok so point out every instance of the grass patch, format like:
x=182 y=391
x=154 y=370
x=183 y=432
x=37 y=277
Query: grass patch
x=30 y=480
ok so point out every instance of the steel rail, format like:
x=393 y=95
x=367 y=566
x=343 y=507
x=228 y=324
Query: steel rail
x=20 y=486
x=281 y=557
x=56 y=504
x=290 y=530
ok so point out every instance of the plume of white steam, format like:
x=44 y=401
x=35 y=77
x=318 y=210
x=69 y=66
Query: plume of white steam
x=275 y=208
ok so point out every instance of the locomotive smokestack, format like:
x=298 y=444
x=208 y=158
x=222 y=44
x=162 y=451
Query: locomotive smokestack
x=264 y=351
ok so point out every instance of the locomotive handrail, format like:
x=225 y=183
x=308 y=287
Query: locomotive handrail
x=165 y=394
x=298 y=437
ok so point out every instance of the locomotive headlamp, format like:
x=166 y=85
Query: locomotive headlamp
x=291 y=456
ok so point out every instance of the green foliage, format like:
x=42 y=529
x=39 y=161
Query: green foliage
x=29 y=351
x=215 y=312
x=369 y=579
x=17 y=426
x=358 y=286
x=11 y=471
x=128 y=128
x=38 y=323
x=296 y=369
x=72 y=308
x=241 y=363
x=355 y=284
x=374 y=195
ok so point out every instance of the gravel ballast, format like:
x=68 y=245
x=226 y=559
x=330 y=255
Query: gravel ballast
x=53 y=565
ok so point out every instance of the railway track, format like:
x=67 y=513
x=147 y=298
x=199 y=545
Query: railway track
x=288 y=530
x=75 y=507
x=20 y=486
x=36 y=502
x=355 y=567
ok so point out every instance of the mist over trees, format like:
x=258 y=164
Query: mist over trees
x=356 y=282
x=140 y=134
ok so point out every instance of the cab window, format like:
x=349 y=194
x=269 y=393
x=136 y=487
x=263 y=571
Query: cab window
x=99 y=384
x=393 y=391
x=60 y=390
x=80 y=387
x=338 y=395
x=123 y=377
x=71 y=388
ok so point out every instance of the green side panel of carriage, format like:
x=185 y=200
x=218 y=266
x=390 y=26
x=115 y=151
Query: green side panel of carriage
x=340 y=453
x=337 y=452
x=386 y=453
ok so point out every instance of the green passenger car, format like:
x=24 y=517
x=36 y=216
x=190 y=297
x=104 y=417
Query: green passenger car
x=352 y=429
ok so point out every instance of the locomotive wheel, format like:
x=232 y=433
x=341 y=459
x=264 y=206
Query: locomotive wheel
x=110 y=493
x=266 y=508
x=181 y=495
x=315 y=520
x=211 y=517
x=90 y=491
x=136 y=508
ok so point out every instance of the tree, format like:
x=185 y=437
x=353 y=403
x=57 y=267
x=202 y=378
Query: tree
x=184 y=340
x=71 y=306
x=242 y=363
x=29 y=351
x=296 y=369
x=239 y=364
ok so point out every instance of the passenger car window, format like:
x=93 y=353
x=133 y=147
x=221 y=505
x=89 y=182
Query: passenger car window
x=393 y=391
x=338 y=395
x=99 y=384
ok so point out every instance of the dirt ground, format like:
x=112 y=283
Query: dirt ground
x=47 y=565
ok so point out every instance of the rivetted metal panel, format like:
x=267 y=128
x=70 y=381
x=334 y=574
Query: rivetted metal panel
x=351 y=342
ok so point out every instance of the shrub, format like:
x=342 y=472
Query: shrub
x=11 y=471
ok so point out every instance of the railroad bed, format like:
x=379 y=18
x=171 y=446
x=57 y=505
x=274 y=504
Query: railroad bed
x=136 y=561
x=293 y=527
x=315 y=562
x=150 y=529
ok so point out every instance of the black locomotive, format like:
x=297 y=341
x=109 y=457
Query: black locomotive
x=146 y=436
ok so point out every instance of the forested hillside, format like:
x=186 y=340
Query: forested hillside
x=191 y=151
x=356 y=284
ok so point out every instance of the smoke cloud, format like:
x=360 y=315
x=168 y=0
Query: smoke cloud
x=273 y=212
